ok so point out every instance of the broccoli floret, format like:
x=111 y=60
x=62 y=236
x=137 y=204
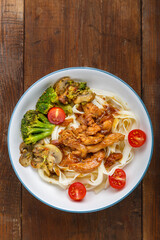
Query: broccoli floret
x=47 y=100
x=67 y=108
x=35 y=126
x=82 y=85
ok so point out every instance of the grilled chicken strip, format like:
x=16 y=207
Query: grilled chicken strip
x=93 y=129
x=68 y=160
x=69 y=139
x=107 y=141
x=107 y=125
x=92 y=110
x=112 y=158
x=89 y=164
x=90 y=140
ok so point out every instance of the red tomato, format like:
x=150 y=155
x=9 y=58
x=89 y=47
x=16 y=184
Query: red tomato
x=136 y=138
x=77 y=191
x=56 y=115
x=118 y=179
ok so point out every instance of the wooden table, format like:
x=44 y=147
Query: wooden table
x=40 y=36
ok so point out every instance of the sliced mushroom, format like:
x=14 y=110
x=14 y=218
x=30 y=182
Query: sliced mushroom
x=47 y=172
x=25 y=159
x=25 y=148
x=39 y=150
x=63 y=97
x=48 y=154
x=61 y=85
x=85 y=97
x=37 y=162
x=54 y=154
x=50 y=162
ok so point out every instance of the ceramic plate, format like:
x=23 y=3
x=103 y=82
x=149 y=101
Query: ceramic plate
x=54 y=196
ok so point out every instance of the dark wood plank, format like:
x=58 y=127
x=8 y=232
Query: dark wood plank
x=44 y=38
x=151 y=97
x=121 y=42
x=103 y=34
x=11 y=88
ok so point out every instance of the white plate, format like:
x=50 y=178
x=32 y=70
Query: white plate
x=54 y=196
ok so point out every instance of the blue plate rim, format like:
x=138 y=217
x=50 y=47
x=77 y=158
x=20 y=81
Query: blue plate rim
x=107 y=73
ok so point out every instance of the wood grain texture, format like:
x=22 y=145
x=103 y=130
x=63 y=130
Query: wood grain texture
x=151 y=97
x=103 y=34
x=44 y=38
x=11 y=88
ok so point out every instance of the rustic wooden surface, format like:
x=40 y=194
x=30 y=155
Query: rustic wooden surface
x=11 y=88
x=151 y=97
x=38 y=37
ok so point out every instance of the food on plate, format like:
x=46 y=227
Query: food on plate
x=56 y=115
x=136 y=138
x=47 y=101
x=35 y=126
x=118 y=179
x=79 y=138
x=77 y=191
x=71 y=91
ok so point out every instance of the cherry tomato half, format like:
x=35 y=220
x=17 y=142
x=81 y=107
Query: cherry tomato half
x=77 y=191
x=136 y=138
x=118 y=179
x=56 y=115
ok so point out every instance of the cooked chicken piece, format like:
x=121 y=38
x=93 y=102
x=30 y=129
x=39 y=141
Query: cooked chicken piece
x=107 y=141
x=89 y=164
x=68 y=138
x=76 y=153
x=81 y=119
x=103 y=118
x=113 y=157
x=89 y=120
x=90 y=140
x=107 y=125
x=92 y=110
x=93 y=129
x=66 y=122
x=104 y=132
x=68 y=160
x=79 y=130
x=55 y=142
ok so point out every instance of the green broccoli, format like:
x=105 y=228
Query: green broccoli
x=82 y=85
x=47 y=101
x=67 y=108
x=35 y=126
